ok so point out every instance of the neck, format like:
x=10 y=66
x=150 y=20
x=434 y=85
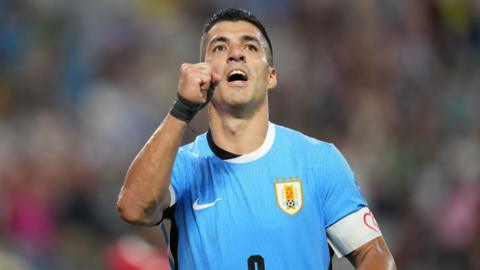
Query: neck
x=239 y=135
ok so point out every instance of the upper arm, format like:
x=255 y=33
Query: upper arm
x=340 y=193
x=353 y=231
x=184 y=168
x=351 y=227
x=373 y=255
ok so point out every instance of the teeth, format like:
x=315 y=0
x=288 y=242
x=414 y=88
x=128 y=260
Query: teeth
x=233 y=72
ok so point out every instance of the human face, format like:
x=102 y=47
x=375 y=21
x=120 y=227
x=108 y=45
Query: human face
x=239 y=48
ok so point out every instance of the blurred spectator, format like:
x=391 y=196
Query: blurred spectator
x=137 y=252
x=12 y=262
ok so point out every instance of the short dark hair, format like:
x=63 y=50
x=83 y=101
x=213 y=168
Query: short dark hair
x=234 y=15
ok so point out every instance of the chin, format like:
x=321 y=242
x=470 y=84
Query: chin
x=237 y=97
x=237 y=104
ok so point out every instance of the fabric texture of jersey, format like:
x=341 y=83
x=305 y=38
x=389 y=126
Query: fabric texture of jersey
x=271 y=212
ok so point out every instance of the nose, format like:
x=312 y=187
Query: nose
x=236 y=54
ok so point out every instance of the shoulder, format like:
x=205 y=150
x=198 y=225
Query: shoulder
x=195 y=149
x=299 y=139
x=323 y=153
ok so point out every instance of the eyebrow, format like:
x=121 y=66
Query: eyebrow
x=218 y=39
x=251 y=38
x=243 y=38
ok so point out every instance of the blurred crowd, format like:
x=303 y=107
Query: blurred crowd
x=394 y=84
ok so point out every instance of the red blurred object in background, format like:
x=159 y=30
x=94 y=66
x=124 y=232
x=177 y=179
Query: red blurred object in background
x=133 y=253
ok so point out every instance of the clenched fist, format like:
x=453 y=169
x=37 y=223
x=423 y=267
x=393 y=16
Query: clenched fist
x=195 y=89
x=195 y=81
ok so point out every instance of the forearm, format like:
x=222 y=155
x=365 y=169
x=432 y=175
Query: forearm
x=374 y=255
x=145 y=195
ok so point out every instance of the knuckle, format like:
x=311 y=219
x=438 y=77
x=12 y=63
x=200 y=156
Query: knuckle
x=185 y=68
x=204 y=76
x=208 y=68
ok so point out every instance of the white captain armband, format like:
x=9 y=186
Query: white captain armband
x=352 y=231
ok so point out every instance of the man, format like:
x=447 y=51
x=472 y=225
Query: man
x=248 y=194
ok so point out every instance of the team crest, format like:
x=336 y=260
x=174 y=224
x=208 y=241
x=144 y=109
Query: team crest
x=289 y=196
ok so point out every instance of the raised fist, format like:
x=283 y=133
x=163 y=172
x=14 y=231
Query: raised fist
x=195 y=81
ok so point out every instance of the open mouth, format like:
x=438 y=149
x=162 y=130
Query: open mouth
x=237 y=75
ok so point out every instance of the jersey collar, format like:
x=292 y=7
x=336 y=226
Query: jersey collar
x=260 y=152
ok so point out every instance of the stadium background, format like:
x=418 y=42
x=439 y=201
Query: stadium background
x=394 y=84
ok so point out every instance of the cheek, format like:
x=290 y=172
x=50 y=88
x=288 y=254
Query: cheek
x=262 y=74
x=214 y=57
x=216 y=64
x=263 y=58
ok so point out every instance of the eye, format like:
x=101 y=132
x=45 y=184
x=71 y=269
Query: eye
x=218 y=48
x=251 y=47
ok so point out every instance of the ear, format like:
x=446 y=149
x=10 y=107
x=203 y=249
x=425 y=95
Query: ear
x=272 y=78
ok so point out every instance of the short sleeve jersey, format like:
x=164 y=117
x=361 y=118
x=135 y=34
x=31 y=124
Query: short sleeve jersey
x=269 y=209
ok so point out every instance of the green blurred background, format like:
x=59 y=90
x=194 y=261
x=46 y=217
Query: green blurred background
x=394 y=84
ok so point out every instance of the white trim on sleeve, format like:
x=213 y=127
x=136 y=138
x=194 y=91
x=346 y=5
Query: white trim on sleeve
x=352 y=231
x=173 y=197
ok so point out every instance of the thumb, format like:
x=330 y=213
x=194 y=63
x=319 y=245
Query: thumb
x=215 y=78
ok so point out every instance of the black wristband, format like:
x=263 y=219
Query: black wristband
x=185 y=110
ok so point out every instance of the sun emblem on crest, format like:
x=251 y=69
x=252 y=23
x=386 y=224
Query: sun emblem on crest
x=289 y=194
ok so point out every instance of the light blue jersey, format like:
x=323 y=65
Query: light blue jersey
x=264 y=210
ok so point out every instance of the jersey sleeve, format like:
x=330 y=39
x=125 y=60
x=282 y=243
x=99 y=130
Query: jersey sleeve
x=345 y=209
x=341 y=194
x=182 y=173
